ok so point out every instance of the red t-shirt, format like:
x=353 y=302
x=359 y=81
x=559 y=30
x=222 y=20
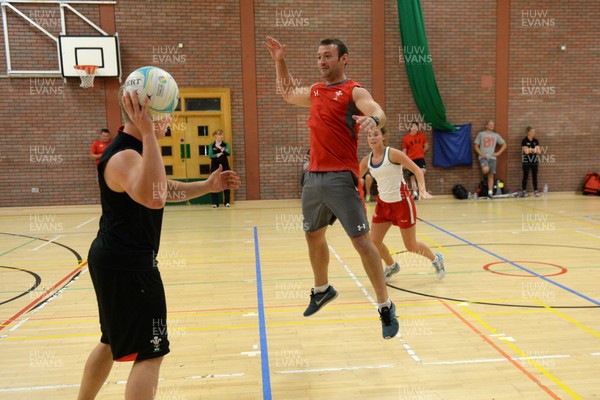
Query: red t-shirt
x=98 y=147
x=333 y=131
x=414 y=145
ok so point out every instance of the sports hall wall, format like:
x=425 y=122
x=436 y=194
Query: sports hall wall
x=48 y=126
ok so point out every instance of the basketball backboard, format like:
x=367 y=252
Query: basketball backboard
x=102 y=51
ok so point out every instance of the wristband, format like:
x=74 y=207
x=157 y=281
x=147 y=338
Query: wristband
x=377 y=122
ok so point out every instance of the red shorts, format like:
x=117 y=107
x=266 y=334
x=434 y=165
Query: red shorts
x=402 y=213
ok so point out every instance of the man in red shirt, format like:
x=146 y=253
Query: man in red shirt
x=340 y=109
x=415 y=145
x=99 y=145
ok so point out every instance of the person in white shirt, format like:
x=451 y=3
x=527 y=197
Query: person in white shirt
x=395 y=204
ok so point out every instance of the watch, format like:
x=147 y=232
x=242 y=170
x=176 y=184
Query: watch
x=376 y=119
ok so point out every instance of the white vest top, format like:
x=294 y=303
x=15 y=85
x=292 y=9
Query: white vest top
x=389 y=178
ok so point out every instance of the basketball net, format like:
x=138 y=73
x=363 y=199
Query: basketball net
x=87 y=74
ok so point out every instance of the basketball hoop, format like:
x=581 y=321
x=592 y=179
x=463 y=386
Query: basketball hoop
x=87 y=74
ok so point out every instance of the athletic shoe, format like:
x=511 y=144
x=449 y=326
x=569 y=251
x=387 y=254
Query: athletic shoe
x=215 y=205
x=521 y=194
x=525 y=194
x=438 y=264
x=319 y=300
x=389 y=271
x=227 y=205
x=536 y=193
x=389 y=322
x=490 y=195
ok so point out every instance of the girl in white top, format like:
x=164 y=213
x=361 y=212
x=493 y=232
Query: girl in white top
x=395 y=205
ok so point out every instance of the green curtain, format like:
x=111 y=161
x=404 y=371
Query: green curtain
x=417 y=59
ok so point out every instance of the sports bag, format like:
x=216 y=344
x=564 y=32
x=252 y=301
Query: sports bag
x=591 y=184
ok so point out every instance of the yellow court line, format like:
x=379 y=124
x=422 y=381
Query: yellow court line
x=245 y=326
x=433 y=242
x=520 y=312
x=172 y=317
x=571 y=231
x=201 y=328
x=508 y=214
x=271 y=311
x=558 y=216
x=531 y=361
x=44 y=337
x=571 y=320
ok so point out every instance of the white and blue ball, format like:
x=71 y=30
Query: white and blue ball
x=157 y=85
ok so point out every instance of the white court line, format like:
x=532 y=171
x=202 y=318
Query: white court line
x=409 y=350
x=46 y=302
x=404 y=343
x=53 y=387
x=491 y=360
x=204 y=241
x=30 y=388
x=588 y=234
x=86 y=222
x=21 y=322
x=46 y=243
x=595 y=354
x=304 y=371
x=251 y=314
x=210 y=376
x=354 y=278
x=250 y=353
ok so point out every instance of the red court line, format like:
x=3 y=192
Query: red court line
x=231 y=309
x=34 y=302
x=502 y=352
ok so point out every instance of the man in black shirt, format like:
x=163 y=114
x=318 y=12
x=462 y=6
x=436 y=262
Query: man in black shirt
x=122 y=258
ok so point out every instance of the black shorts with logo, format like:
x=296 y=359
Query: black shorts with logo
x=131 y=303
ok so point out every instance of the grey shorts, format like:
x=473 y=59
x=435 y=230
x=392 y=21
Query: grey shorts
x=327 y=196
x=488 y=162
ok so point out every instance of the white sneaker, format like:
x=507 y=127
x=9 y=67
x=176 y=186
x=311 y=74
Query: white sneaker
x=438 y=264
x=227 y=205
x=389 y=271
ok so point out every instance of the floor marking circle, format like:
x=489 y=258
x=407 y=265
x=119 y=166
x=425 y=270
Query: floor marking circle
x=562 y=270
x=36 y=277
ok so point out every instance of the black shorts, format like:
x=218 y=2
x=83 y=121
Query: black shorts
x=131 y=304
x=420 y=163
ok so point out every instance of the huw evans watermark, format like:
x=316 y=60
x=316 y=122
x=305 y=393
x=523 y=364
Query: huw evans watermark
x=285 y=18
x=532 y=19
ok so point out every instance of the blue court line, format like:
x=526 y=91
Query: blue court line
x=576 y=293
x=264 y=353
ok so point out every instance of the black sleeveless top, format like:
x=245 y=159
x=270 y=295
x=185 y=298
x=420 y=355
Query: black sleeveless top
x=129 y=232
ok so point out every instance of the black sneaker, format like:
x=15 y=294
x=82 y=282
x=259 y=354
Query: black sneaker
x=318 y=300
x=389 y=322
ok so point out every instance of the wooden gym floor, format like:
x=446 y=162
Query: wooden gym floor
x=516 y=316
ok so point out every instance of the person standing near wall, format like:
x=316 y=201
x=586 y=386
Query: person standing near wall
x=415 y=145
x=530 y=148
x=99 y=145
x=218 y=151
x=485 y=147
